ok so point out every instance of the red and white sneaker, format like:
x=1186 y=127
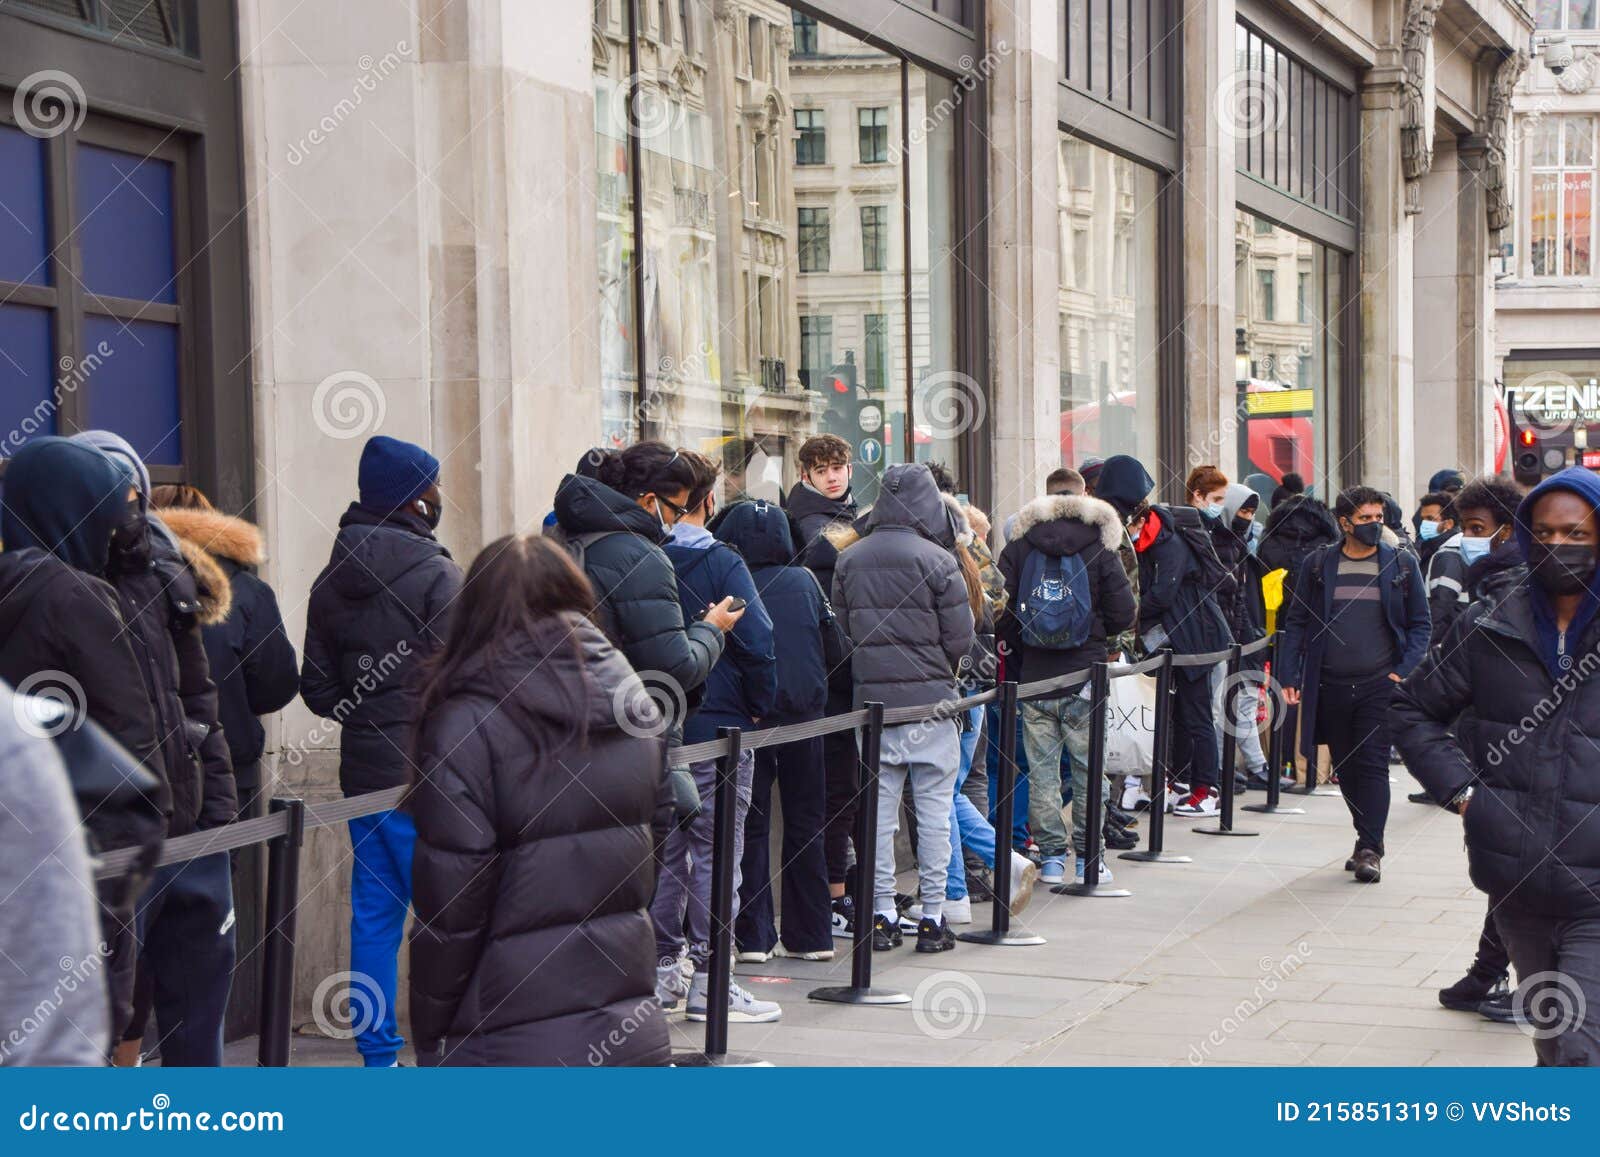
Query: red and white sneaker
x=1202 y=801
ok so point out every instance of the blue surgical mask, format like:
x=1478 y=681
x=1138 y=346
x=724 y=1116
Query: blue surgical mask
x=1472 y=549
x=1212 y=510
x=1428 y=528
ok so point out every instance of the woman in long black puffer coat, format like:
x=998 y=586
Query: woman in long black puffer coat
x=540 y=787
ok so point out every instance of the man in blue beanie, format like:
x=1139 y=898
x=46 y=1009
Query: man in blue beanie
x=379 y=607
x=1448 y=480
x=1498 y=724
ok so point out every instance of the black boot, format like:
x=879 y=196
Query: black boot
x=1466 y=994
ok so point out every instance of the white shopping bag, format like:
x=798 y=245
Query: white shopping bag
x=1131 y=726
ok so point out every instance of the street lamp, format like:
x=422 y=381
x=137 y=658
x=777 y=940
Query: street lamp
x=1241 y=356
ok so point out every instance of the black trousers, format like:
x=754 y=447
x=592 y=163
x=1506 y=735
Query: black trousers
x=1352 y=719
x=797 y=769
x=1558 y=981
x=1492 y=958
x=841 y=760
x=1194 y=739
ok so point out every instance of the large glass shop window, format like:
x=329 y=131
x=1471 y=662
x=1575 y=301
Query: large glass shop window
x=789 y=173
x=1288 y=353
x=1107 y=311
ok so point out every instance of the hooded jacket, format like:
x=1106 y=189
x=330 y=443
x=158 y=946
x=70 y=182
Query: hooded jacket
x=1308 y=611
x=166 y=603
x=1492 y=708
x=252 y=661
x=377 y=610
x=56 y=616
x=1297 y=526
x=1448 y=595
x=899 y=595
x=635 y=585
x=812 y=514
x=1060 y=525
x=534 y=862
x=801 y=616
x=1173 y=593
x=743 y=684
x=1247 y=610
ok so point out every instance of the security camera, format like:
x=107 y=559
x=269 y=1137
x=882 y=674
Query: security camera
x=1557 y=55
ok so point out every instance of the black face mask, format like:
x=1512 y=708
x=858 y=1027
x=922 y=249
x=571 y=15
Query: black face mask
x=1562 y=569
x=128 y=536
x=1367 y=533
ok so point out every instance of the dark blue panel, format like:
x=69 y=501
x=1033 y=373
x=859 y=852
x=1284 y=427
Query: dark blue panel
x=134 y=389
x=125 y=224
x=24 y=219
x=26 y=374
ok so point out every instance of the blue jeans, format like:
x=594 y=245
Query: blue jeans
x=967 y=825
x=1019 y=811
x=380 y=894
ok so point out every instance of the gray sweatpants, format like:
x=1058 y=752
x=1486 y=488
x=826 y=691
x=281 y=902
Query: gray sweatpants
x=683 y=894
x=929 y=753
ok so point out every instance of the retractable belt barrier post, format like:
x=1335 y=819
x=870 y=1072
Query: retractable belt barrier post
x=999 y=931
x=1093 y=836
x=1160 y=763
x=1277 y=713
x=277 y=966
x=719 y=984
x=860 y=990
x=1230 y=748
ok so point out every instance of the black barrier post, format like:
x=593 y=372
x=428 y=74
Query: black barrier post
x=1161 y=756
x=1230 y=748
x=277 y=945
x=1277 y=711
x=1093 y=836
x=719 y=984
x=1004 y=820
x=860 y=990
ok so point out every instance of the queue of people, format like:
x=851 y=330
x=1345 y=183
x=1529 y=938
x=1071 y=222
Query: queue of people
x=531 y=707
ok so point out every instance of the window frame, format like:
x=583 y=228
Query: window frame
x=880 y=234
x=808 y=246
x=863 y=129
x=814 y=135
x=1560 y=171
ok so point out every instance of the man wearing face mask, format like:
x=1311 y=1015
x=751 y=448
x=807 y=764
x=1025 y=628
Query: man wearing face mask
x=377 y=610
x=1355 y=625
x=1434 y=526
x=1498 y=724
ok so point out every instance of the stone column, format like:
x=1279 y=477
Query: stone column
x=1023 y=250
x=1385 y=453
x=1475 y=361
x=1437 y=309
x=1208 y=209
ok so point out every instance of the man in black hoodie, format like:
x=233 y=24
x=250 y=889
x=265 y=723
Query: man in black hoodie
x=822 y=499
x=1060 y=538
x=62 y=632
x=379 y=607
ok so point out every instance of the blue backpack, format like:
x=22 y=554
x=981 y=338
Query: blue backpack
x=1053 y=602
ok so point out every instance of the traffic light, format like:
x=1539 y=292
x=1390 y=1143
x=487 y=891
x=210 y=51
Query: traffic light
x=1526 y=466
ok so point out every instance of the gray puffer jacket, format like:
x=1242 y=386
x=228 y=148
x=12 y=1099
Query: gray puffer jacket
x=899 y=596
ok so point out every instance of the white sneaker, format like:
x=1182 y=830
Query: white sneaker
x=1105 y=872
x=742 y=1007
x=1197 y=807
x=753 y=957
x=819 y=954
x=1176 y=794
x=671 y=985
x=1024 y=874
x=958 y=911
x=1134 y=795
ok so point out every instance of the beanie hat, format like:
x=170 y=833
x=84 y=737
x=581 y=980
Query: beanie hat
x=1124 y=482
x=393 y=473
x=1445 y=480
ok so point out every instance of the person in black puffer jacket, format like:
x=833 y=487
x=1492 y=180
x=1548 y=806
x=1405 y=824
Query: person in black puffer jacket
x=62 y=634
x=1247 y=619
x=820 y=500
x=806 y=642
x=535 y=806
x=1498 y=724
x=378 y=609
x=185 y=919
x=1296 y=526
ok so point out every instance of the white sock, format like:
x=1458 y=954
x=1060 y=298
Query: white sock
x=932 y=911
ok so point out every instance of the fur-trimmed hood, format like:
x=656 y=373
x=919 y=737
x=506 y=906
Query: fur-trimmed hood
x=1092 y=512
x=203 y=537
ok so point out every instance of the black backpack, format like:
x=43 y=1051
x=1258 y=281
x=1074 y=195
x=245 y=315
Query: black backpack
x=1191 y=526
